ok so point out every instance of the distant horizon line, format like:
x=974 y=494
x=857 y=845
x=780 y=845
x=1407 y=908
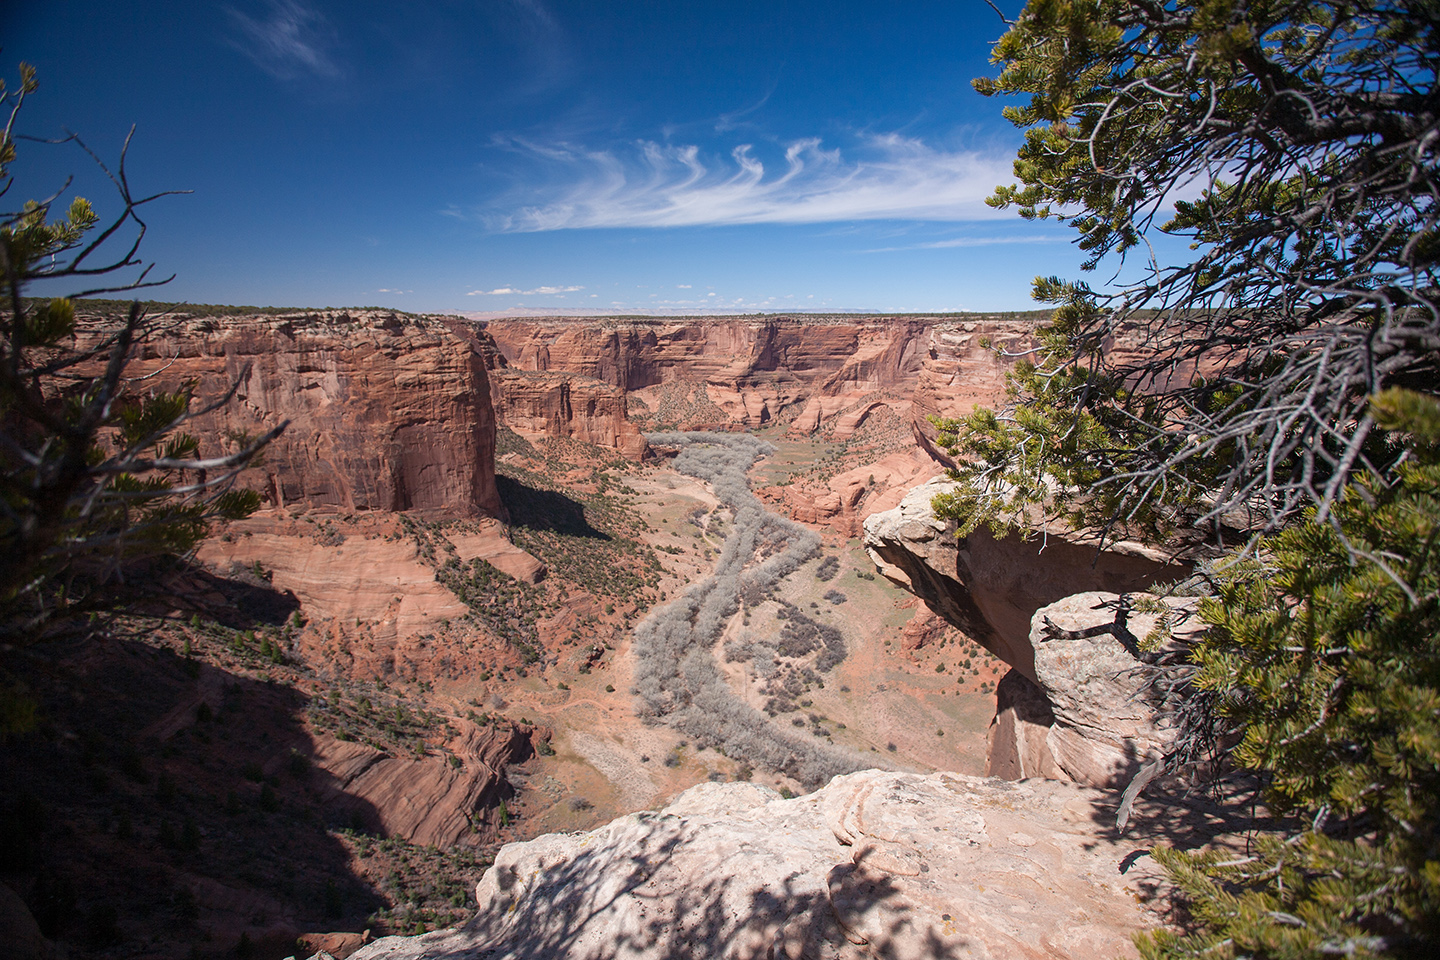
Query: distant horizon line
x=561 y=314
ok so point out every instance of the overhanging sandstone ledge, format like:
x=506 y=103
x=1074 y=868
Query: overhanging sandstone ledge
x=875 y=864
x=990 y=587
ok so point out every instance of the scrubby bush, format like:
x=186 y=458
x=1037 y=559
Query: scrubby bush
x=678 y=679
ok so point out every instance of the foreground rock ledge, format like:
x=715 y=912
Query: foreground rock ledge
x=875 y=864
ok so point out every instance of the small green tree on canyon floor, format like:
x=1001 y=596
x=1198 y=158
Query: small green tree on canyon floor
x=97 y=472
x=1262 y=179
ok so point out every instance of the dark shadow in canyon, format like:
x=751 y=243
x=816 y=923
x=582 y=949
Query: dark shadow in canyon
x=538 y=509
x=164 y=806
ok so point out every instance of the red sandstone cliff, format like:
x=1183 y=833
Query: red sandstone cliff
x=386 y=412
x=566 y=405
x=811 y=371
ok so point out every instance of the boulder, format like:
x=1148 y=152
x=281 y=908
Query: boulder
x=1105 y=723
x=876 y=864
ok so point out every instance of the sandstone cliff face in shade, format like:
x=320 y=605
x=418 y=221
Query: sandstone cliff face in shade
x=386 y=412
x=875 y=864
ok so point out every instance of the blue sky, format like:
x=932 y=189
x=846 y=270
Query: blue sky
x=545 y=156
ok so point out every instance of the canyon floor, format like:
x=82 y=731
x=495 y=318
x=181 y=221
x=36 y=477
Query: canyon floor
x=244 y=703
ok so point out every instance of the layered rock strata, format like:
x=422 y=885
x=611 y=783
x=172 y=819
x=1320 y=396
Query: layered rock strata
x=875 y=864
x=993 y=589
x=385 y=412
x=428 y=800
x=567 y=406
x=814 y=372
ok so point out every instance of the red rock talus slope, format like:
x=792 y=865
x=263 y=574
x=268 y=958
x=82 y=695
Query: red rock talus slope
x=386 y=412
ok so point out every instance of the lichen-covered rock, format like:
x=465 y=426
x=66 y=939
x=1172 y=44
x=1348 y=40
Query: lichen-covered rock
x=875 y=864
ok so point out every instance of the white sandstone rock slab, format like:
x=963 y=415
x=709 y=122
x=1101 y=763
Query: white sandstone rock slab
x=1105 y=723
x=875 y=864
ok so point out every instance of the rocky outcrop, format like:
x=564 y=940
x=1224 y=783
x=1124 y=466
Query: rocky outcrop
x=1105 y=722
x=568 y=406
x=876 y=864
x=427 y=800
x=1068 y=709
x=990 y=587
x=844 y=500
x=386 y=412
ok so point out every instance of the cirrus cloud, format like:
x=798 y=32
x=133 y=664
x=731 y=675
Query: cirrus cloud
x=292 y=40
x=889 y=177
x=513 y=291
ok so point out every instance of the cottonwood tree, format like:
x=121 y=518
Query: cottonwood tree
x=96 y=470
x=1292 y=146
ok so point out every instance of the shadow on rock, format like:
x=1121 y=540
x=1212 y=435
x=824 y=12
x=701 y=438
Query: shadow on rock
x=538 y=509
x=169 y=807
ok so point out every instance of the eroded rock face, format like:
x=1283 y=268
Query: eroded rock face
x=569 y=406
x=427 y=800
x=1105 y=724
x=386 y=412
x=875 y=864
x=729 y=372
x=1065 y=710
x=844 y=500
x=991 y=587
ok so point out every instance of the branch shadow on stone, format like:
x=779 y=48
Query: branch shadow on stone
x=602 y=904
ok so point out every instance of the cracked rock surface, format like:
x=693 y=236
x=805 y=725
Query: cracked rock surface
x=875 y=864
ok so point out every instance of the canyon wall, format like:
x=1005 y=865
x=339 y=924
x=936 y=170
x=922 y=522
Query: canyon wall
x=385 y=412
x=567 y=406
x=811 y=372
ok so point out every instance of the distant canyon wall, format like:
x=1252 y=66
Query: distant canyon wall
x=732 y=373
x=386 y=412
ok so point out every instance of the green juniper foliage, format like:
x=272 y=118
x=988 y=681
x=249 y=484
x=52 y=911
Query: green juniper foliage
x=93 y=474
x=1327 y=654
x=1232 y=384
x=1278 y=379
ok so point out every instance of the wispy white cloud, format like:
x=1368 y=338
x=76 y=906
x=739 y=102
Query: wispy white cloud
x=889 y=177
x=392 y=290
x=293 y=40
x=970 y=242
x=513 y=291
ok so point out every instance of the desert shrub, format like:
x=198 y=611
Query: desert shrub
x=678 y=679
